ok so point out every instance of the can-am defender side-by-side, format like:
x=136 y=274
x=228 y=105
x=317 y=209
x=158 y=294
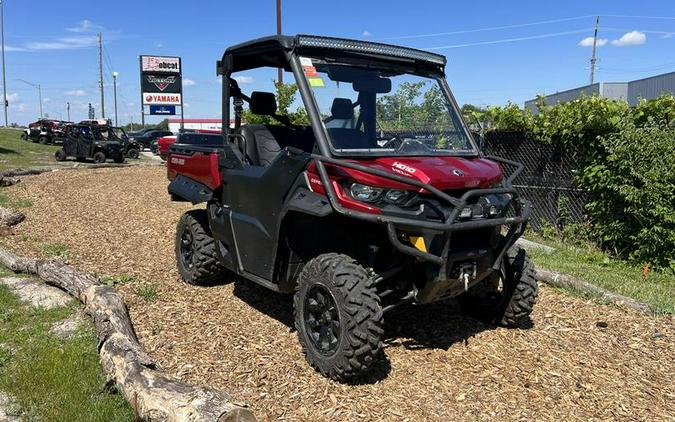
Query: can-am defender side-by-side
x=98 y=143
x=384 y=199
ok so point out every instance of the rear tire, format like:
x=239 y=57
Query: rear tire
x=99 y=157
x=330 y=287
x=43 y=140
x=60 y=155
x=510 y=305
x=196 y=254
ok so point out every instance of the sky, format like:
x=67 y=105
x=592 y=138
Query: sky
x=498 y=51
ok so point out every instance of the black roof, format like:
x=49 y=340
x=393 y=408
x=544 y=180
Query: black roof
x=270 y=51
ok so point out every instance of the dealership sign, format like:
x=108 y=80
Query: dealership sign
x=161 y=80
x=155 y=98
x=160 y=64
x=162 y=110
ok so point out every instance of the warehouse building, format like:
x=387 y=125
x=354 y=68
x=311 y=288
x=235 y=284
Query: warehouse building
x=632 y=92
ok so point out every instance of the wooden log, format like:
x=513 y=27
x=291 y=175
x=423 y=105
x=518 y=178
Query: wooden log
x=154 y=394
x=10 y=217
x=8 y=181
x=571 y=283
x=76 y=166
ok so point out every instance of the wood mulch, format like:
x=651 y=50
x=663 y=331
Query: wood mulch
x=579 y=360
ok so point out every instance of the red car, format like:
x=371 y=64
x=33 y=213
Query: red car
x=192 y=137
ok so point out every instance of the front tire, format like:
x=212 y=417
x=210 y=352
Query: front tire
x=508 y=301
x=43 y=140
x=60 y=155
x=196 y=254
x=99 y=158
x=132 y=153
x=338 y=317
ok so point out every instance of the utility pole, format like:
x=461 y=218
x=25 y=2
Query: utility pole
x=68 y=109
x=595 y=41
x=100 y=72
x=280 y=77
x=2 y=35
x=115 y=94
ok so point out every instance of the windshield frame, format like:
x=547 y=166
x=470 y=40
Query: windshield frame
x=323 y=138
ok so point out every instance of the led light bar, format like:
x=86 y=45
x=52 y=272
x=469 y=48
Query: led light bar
x=369 y=47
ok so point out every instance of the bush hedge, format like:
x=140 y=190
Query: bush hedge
x=626 y=160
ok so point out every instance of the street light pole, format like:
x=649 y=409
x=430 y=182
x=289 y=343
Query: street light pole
x=39 y=92
x=68 y=109
x=2 y=35
x=115 y=94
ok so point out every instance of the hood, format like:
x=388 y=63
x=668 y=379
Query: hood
x=440 y=172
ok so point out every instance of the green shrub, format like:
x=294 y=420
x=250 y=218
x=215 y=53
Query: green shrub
x=657 y=111
x=633 y=190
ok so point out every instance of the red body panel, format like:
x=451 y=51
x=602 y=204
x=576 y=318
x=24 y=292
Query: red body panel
x=200 y=167
x=164 y=143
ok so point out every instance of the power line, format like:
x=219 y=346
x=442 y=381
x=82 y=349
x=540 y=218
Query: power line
x=492 y=28
x=672 y=18
x=507 y=40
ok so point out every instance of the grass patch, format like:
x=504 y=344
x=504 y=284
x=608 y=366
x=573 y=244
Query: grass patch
x=116 y=281
x=15 y=152
x=147 y=293
x=657 y=289
x=52 y=379
x=8 y=202
x=55 y=249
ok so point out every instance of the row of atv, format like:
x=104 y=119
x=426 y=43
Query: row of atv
x=97 y=142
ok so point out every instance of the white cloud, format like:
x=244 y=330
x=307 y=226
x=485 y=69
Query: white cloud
x=9 y=48
x=189 y=82
x=12 y=98
x=186 y=105
x=66 y=43
x=588 y=42
x=243 y=79
x=21 y=107
x=76 y=93
x=46 y=100
x=85 y=26
x=668 y=35
x=159 y=45
x=631 y=38
x=367 y=33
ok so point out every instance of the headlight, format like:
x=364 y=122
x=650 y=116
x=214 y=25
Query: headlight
x=396 y=196
x=365 y=193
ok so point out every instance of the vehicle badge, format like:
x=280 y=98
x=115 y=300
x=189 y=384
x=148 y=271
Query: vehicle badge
x=458 y=172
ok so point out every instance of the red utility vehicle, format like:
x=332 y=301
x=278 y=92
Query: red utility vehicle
x=383 y=200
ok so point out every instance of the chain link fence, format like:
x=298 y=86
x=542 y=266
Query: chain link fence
x=547 y=179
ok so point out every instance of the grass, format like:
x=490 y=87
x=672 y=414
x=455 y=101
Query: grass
x=147 y=293
x=587 y=263
x=8 y=202
x=15 y=152
x=55 y=249
x=50 y=378
x=116 y=281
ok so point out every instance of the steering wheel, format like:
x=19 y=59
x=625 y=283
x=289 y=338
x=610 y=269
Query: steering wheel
x=394 y=143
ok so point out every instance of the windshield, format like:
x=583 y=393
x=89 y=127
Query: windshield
x=379 y=111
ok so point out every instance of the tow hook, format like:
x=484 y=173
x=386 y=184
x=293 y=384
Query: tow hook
x=467 y=272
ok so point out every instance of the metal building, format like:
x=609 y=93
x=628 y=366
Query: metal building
x=632 y=91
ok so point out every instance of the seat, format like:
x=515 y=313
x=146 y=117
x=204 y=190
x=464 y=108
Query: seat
x=347 y=138
x=263 y=142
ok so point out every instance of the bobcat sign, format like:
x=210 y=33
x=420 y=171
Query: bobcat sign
x=161 y=82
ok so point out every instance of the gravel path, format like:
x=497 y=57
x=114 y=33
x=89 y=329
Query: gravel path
x=579 y=361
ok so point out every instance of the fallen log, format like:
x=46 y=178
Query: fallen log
x=8 y=181
x=154 y=394
x=571 y=283
x=10 y=217
x=76 y=166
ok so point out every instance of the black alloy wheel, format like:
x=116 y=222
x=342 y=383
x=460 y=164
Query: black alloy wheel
x=322 y=319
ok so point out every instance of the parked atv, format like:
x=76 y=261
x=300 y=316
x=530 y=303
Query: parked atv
x=376 y=204
x=90 y=142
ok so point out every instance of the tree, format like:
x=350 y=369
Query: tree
x=285 y=96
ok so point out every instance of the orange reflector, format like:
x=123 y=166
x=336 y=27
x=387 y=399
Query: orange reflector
x=418 y=242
